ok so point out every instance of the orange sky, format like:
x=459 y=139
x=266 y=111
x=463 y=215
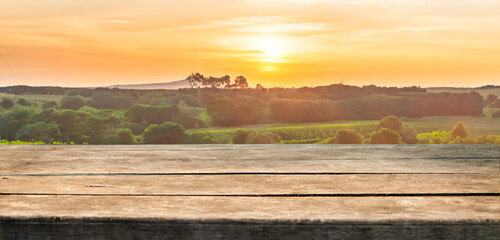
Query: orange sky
x=272 y=42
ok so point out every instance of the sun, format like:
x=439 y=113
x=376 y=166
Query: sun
x=271 y=49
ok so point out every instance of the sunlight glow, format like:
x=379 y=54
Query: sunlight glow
x=271 y=47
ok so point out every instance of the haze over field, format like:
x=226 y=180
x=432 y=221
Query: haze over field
x=272 y=42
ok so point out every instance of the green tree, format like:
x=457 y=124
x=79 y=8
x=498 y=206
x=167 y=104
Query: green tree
x=460 y=130
x=348 y=136
x=123 y=136
x=22 y=102
x=233 y=112
x=7 y=103
x=50 y=104
x=263 y=138
x=23 y=115
x=391 y=122
x=10 y=129
x=40 y=131
x=240 y=136
x=73 y=103
x=491 y=98
x=168 y=132
x=196 y=79
x=385 y=136
x=201 y=138
x=151 y=114
x=240 y=82
x=409 y=135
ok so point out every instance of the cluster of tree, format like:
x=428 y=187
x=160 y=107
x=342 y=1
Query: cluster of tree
x=242 y=136
x=198 y=80
x=18 y=90
x=124 y=98
x=243 y=110
x=148 y=114
x=52 y=125
x=492 y=101
x=173 y=133
x=375 y=107
x=390 y=131
x=7 y=103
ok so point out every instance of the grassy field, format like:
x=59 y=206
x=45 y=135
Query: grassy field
x=483 y=92
x=477 y=125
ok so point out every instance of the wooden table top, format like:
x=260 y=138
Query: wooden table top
x=251 y=182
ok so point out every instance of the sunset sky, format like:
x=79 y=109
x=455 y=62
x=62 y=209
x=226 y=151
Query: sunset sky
x=272 y=42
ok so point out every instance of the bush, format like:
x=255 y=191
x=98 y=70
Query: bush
x=491 y=98
x=391 y=122
x=348 y=136
x=123 y=136
x=385 y=136
x=137 y=128
x=151 y=114
x=495 y=104
x=304 y=141
x=460 y=140
x=200 y=138
x=7 y=103
x=126 y=137
x=23 y=115
x=409 y=136
x=235 y=112
x=241 y=135
x=168 y=133
x=51 y=104
x=40 y=131
x=188 y=120
x=106 y=101
x=490 y=139
x=22 y=102
x=436 y=137
x=73 y=103
x=459 y=130
x=187 y=99
x=10 y=129
x=263 y=138
x=496 y=114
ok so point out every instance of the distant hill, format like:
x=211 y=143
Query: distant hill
x=484 y=90
x=167 y=85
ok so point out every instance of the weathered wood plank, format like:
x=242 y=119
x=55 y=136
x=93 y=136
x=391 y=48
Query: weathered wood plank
x=253 y=184
x=257 y=208
x=255 y=152
x=245 y=190
x=145 y=166
x=82 y=229
x=245 y=158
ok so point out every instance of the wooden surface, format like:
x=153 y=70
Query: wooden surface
x=252 y=185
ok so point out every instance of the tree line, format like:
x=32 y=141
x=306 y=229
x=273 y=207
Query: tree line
x=198 y=80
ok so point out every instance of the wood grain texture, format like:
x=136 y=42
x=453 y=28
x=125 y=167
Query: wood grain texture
x=255 y=208
x=253 y=184
x=250 y=191
x=245 y=158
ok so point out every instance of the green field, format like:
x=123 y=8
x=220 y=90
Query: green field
x=477 y=125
